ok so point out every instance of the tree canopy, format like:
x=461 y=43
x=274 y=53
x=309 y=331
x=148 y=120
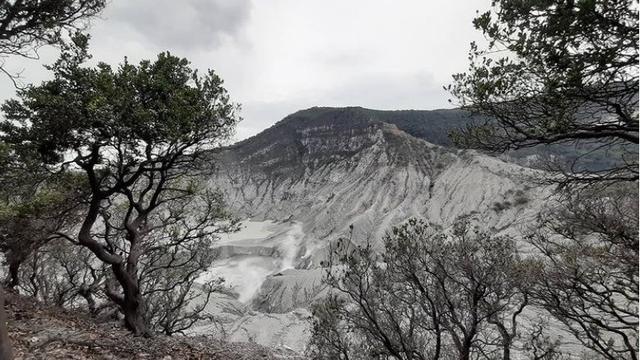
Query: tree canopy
x=139 y=136
x=566 y=72
x=26 y=25
x=556 y=72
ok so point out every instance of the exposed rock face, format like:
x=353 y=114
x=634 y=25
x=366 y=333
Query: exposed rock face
x=289 y=290
x=322 y=174
x=359 y=177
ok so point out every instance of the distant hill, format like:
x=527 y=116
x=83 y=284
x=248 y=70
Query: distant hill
x=434 y=126
x=333 y=167
x=354 y=173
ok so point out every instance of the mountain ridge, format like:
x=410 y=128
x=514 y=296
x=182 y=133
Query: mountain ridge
x=325 y=174
x=455 y=117
x=309 y=158
x=434 y=126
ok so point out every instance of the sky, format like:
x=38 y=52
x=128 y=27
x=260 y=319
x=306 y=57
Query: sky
x=280 y=56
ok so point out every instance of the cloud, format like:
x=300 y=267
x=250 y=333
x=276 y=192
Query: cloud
x=280 y=56
x=185 y=24
x=389 y=91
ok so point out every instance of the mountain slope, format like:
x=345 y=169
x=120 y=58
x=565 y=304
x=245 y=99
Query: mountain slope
x=348 y=174
x=323 y=174
x=434 y=126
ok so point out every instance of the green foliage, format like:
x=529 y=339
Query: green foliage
x=136 y=108
x=28 y=24
x=33 y=209
x=138 y=136
x=29 y=195
x=556 y=72
x=49 y=195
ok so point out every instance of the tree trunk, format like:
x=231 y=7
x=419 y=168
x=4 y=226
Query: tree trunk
x=133 y=309
x=132 y=303
x=87 y=294
x=465 y=354
x=13 y=278
x=465 y=351
x=507 y=338
x=6 y=352
x=506 y=350
x=506 y=346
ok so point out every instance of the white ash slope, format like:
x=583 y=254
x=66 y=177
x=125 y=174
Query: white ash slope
x=333 y=174
x=346 y=175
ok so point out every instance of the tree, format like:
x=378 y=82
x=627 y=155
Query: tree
x=589 y=245
x=66 y=275
x=568 y=75
x=137 y=134
x=35 y=207
x=26 y=25
x=175 y=254
x=429 y=295
x=6 y=350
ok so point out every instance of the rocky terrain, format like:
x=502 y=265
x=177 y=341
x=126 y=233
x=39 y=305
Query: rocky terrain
x=323 y=174
x=43 y=332
x=334 y=175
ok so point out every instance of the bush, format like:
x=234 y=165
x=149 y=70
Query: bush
x=429 y=295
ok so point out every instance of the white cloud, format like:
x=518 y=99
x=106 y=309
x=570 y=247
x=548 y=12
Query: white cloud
x=279 y=56
x=185 y=25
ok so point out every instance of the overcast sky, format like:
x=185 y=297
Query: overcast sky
x=279 y=56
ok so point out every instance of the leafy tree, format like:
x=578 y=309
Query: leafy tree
x=429 y=295
x=556 y=72
x=137 y=134
x=26 y=25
